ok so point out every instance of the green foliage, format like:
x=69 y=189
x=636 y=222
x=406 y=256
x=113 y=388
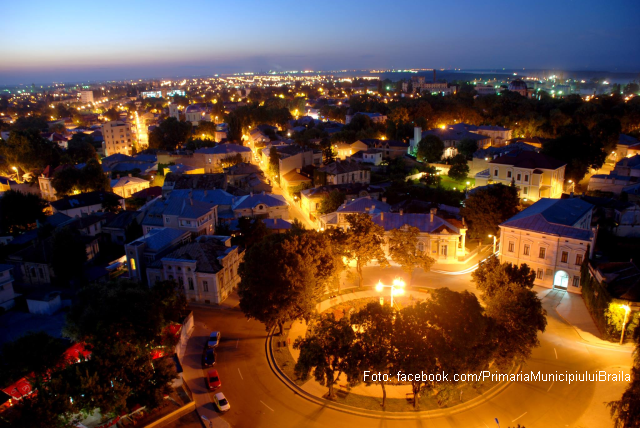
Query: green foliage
x=488 y=207
x=430 y=149
x=90 y=178
x=27 y=150
x=19 y=211
x=326 y=351
x=578 y=149
x=459 y=168
x=80 y=149
x=403 y=249
x=283 y=277
x=274 y=162
x=363 y=242
x=111 y=114
x=170 y=133
x=331 y=202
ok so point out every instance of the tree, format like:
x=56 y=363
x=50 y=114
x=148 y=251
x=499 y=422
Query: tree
x=373 y=348
x=274 y=162
x=206 y=130
x=403 y=249
x=506 y=290
x=331 y=202
x=459 y=168
x=80 y=149
x=489 y=206
x=68 y=256
x=169 y=134
x=284 y=276
x=430 y=149
x=111 y=114
x=20 y=211
x=326 y=350
x=363 y=242
x=90 y=178
x=467 y=147
x=578 y=149
x=415 y=343
x=28 y=149
x=31 y=355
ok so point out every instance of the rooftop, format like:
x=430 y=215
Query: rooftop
x=528 y=160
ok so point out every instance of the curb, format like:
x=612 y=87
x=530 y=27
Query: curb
x=375 y=414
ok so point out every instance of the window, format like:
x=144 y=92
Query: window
x=421 y=246
x=525 y=190
x=508 y=174
x=511 y=246
x=518 y=177
x=180 y=280
x=190 y=283
x=495 y=173
x=526 y=178
x=564 y=257
x=540 y=274
x=576 y=281
x=205 y=285
x=527 y=247
x=41 y=272
x=579 y=259
x=543 y=252
x=133 y=264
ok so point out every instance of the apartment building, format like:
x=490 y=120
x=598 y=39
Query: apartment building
x=119 y=137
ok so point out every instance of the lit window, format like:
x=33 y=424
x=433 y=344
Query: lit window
x=565 y=257
x=540 y=274
x=579 y=259
x=511 y=246
x=576 y=281
x=543 y=253
x=526 y=249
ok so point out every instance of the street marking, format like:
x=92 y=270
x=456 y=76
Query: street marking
x=240 y=373
x=519 y=417
x=237 y=341
x=552 y=382
x=554 y=350
x=267 y=406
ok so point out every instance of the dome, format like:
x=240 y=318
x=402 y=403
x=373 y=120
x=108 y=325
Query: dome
x=194 y=108
x=517 y=85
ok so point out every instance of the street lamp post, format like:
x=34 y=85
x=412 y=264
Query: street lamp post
x=397 y=288
x=573 y=185
x=627 y=309
x=494 y=242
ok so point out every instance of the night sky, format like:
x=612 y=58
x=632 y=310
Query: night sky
x=45 y=41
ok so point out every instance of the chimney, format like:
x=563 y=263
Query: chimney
x=373 y=207
x=251 y=193
x=384 y=199
x=401 y=211
x=434 y=75
x=129 y=175
x=381 y=216
x=298 y=170
x=432 y=211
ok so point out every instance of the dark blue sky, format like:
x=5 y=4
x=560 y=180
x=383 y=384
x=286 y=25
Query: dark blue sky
x=44 y=41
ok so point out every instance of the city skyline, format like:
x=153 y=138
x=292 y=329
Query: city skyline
x=146 y=39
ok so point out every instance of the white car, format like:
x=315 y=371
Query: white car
x=221 y=402
x=214 y=339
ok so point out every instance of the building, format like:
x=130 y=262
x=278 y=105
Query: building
x=344 y=172
x=197 y=217
x=261 y=205
x=149 y=248
x=85 y=203
x=118 y=227
x=450 y=138
x=311 y=199
x=195 y=113
x=520 y=87
x=369 y=156
x=86 y=97
x=442 y=240
x=536 y=175
x=237 y=173
x=293 y=157
x=45 y=181
x=499 y=136
x=7 y=295
x=627 y=146
x=374 y=117
x=127 y=186
x=212 y=158
x=365 y=205
x=119 y=137
x=419 y=85
x=481 y=158
x=294 y=180
x=193 y=181
x=174 y=111
x=207 y=269
x=553 y=237
x=614 y=183
x=344 y=150
x=390 y=149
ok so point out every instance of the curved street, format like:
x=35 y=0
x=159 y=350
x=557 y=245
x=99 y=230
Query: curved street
x=259 y=399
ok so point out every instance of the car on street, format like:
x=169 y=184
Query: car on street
x=214 y=339
x=221 y=402
x=213 y=380
x=208 y=357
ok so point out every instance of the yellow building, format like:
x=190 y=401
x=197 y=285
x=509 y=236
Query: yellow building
x=536 y=175
x=127 y=186
x=118 y=137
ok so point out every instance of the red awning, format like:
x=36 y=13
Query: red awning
x=19 y=389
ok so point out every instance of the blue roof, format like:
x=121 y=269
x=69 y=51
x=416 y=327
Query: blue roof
x=223 y=149
x=276 y=223
x=250 y=201
x=554 y=217
x=215 y=196
x=422 y=221
x=159 y=239
x=361 y=205
x=627 y=140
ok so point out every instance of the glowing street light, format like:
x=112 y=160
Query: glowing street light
x=627 y=309
x=494 y=243
x=573 y=185
x=397 y=288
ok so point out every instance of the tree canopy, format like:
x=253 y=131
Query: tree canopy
x=20 y=211
x=169 y=134
x=403 y=249
x=430 y=149
x=487 y=207
x=363 y=242
x=331 y=202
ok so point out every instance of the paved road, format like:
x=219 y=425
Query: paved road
x=259 y=399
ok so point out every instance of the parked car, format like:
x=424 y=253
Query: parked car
x=213 y=380
x=214 y=339
x=221 y=402
x=208 y=357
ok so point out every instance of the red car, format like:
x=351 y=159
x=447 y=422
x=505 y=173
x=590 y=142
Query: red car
x=213 y=380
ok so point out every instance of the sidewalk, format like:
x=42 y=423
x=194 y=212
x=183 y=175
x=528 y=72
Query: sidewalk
x=574 y=311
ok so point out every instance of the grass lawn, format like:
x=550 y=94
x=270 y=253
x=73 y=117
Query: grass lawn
x=449 y=183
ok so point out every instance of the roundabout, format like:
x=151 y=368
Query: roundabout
x=261 y=396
